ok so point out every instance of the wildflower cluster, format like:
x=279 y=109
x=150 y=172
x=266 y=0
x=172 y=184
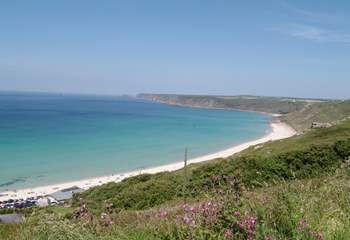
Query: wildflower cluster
x=304 y=231
x=248 y=226
x=205 y=213
x=243 y=225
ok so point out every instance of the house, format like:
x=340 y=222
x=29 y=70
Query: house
x=320 y=125
x=46 y=201
x=11 y=218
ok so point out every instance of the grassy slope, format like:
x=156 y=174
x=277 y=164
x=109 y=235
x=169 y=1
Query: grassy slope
x=322 y=201
x=327 y=112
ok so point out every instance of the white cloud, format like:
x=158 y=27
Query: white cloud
x=314 y=33
x=320 y=17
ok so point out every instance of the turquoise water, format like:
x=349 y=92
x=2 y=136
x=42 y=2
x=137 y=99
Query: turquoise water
x=48 y=139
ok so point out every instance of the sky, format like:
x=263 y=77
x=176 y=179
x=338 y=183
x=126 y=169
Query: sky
x=225 y=47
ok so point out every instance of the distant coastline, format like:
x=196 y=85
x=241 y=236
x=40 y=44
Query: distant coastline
x=211 y=107
x=243 y=103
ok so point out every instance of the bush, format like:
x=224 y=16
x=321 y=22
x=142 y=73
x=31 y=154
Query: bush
x=343 y=148
x=7 y=210
x=311 y=162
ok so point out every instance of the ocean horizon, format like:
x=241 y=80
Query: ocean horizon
x=54 y=138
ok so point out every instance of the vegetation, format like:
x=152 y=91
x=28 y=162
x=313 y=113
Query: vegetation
x=295 y=188
x=331 y=112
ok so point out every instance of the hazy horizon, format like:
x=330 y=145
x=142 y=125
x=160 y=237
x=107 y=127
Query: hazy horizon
x=265 y=48
x=136 y=94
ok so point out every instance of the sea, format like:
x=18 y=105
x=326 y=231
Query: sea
x=54 y=138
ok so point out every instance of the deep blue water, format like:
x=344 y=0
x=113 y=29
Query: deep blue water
x=47 y=138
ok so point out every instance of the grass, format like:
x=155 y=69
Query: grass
x=323 y=202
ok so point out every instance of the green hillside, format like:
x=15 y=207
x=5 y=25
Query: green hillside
x=295 y=188
x=325 y=112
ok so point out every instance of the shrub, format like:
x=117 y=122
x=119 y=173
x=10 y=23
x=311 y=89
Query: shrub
x=343 y=148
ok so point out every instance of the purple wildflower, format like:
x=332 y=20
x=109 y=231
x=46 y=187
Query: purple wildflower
x=188 y=220
x=303 y=223
x=247 y=225
x=236 y=213
x=163 y=214
x=228 y=234
x=316 y=235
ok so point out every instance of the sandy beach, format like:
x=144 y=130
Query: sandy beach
x=278 y=131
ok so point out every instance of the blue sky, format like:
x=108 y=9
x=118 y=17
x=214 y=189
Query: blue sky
x=271 y=47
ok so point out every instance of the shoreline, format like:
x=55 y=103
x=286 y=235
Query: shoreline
x=278 y=130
